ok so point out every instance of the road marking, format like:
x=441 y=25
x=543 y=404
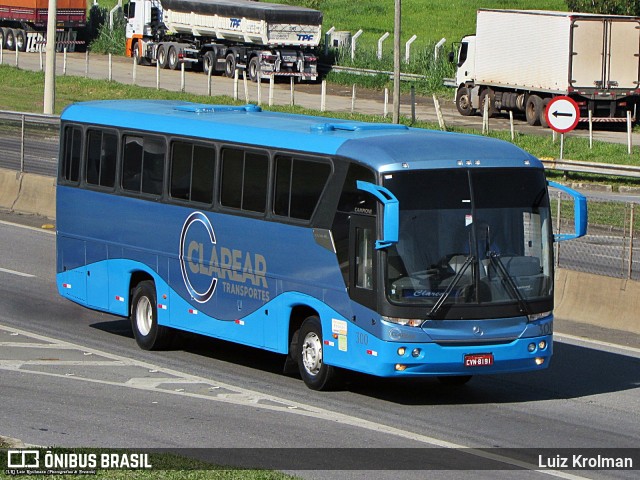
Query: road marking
x=14 y=272
x=27 y=227
x=225 y=393
x=614 y=346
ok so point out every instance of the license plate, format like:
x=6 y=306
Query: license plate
x=478 y=360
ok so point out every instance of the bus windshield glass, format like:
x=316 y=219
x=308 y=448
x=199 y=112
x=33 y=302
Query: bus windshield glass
x=470 y=237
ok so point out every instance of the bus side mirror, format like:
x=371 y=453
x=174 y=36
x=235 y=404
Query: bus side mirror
x=391 y=214
x=579 y=214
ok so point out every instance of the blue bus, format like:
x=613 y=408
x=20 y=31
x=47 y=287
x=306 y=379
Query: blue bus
x=378 y=248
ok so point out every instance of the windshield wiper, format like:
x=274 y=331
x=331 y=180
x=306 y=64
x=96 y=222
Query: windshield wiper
x=456 y=279
x=509 y=282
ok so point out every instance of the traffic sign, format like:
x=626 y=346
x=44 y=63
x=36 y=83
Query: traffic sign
x=562 y=114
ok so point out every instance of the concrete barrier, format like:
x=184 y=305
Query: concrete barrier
x=597 y=300
x=27 y=193
x=9 y=188
x=37 y=196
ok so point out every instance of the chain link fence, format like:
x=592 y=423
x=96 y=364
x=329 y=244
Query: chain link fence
x=29 y=143
x=612 y=244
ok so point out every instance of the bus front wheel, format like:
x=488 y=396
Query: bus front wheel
x=316 y=374
x=144 y=318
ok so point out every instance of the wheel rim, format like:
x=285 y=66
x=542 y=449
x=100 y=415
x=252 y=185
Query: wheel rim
x=144 y=316
x=312 y=353
x=464 y=102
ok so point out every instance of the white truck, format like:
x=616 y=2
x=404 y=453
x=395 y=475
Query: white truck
x=519 y=60
x=225 y=35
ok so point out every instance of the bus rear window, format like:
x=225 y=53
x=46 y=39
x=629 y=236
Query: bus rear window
x=71 y=154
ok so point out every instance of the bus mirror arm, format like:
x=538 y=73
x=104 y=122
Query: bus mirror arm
x=579 y=213
x=391 y=214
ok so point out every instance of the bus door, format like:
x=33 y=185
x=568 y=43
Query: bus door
x=362 y=256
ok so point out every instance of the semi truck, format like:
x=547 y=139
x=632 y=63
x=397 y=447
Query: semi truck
x=225 y=35
x=23 y=23
x=519 y=60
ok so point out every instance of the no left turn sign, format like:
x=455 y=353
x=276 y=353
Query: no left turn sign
x=562 y=114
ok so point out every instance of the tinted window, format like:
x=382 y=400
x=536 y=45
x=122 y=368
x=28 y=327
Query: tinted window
x=299 y=184
x=244 y=180
x=192 y=172
x=71 y=154
x=143 y=165
x=353 y=199
x=101 y=158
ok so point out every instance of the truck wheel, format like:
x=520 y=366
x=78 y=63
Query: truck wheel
x=254 y=69
x=463 y=102
x=162 y=56
x=10 y=39
x=144 y=318
x=488 y=95
x=3 y=35
x=543 y=118
x=172 y=58
x=230 y=66
x=533 y=110
x=21 y=40
x=316 y=374
x=140 y=59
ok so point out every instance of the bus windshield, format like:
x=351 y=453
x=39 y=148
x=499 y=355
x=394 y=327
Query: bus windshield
x=476 y=236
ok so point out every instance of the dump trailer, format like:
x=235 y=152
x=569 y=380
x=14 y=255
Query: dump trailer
x=225 y=35
x=23 y=23
x=519 y=60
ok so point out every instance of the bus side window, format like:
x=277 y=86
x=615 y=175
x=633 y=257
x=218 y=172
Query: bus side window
x=102 y=148
x=244 y=180
x=143 y=165
x=71 y=154
x=192 y=172
x=299 y=185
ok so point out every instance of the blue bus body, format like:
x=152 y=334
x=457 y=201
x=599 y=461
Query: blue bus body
x=253 y=272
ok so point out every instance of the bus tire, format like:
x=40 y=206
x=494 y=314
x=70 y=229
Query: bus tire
x=144 y=318
x=316 y=374
x=454 y=380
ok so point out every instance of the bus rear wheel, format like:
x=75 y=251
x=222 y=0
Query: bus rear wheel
x=316 y=374
x=144 y=318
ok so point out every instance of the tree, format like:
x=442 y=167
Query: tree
x=615 y=7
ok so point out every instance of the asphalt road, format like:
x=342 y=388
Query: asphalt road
x=307 y=95
x=71 y=376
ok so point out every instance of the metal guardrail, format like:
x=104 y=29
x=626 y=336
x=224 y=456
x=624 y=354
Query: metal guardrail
x=36 y=150
x=368 y=72
x=630 y=171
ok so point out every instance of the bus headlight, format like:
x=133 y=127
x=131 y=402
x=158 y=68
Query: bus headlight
x=409 y=322
x=537 y=316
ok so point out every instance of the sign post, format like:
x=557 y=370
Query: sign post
x=562 y=115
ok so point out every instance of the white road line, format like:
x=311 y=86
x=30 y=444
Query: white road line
x=14 y=272
x=240 y=396
x=27 y=227
x=563 y=337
